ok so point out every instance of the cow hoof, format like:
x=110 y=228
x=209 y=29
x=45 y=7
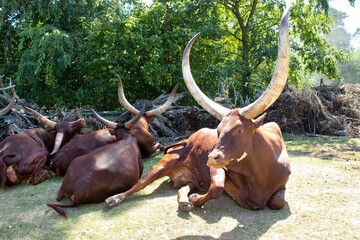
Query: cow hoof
x=114 y=200
x=186 y=206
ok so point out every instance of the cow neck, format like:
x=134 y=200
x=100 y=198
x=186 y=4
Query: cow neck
x=42 y=137
x=122 y=135
x=254 y=145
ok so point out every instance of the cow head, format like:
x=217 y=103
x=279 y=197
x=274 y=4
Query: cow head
x=64 y=130
x=121 y=129
x=235 y=139
x=149 y=115
x=237 y=127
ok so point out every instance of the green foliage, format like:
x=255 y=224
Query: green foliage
x=311 y=48
x=67 y=52
x=350 y=70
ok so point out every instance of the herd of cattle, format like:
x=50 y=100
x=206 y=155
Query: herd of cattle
x=242 y=156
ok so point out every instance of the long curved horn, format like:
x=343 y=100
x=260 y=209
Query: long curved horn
x=10 y=105
x=210 y=106
x=104 y=121
x=273 y=91
x=5 y=88
x=122 y=99
x=129 y=124
x=47 y=122
x=166 y=105
x=124 y=102
x=113 y=125
x=279 y=78
x=58 y=140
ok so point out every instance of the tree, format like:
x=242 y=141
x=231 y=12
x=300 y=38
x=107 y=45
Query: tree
x=341 y=39
x=44 y=46
x=67 y=52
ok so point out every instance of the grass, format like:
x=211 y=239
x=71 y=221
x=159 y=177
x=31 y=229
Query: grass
x=323 y=202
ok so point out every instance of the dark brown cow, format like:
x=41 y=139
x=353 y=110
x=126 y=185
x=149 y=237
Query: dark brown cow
x=103 y=172
x=79 y=145
x=23 y=156
x=247 y=160
x=83 y=144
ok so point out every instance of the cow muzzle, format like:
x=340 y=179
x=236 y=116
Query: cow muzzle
x=216 y=159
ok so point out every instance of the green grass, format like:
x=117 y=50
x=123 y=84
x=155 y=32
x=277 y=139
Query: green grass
x=323 y=202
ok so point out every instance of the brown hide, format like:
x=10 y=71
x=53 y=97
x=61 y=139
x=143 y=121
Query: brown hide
x=78 y=146
x=109 y=169
x=251 y=183
x=184 y=163
x=105 y=171
x=84 y=144
x=255 y=158
x=144 y=138
x=23 y=156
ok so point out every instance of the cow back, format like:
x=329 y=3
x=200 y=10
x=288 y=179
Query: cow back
x=78 y=146
x=103 y=172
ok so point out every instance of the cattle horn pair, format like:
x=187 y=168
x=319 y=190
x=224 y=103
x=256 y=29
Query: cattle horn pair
x=270 y=95
x=113 y=125
x=123 y=101
x=11 y=103
x=51 y=126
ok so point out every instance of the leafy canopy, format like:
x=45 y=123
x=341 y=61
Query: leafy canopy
x=67 y=52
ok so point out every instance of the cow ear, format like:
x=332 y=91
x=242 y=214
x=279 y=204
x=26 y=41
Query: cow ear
x=259 y=121
x=150 y=119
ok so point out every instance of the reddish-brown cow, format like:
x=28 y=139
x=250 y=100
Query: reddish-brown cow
x=79 y=145
x=141 y=130
x=103 y=172
x=23 y=156
x=83 y=144
x=247 y=160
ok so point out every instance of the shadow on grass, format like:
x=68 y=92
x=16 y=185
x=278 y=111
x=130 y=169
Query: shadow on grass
x=251 y=224
x=323 y=147
x=25 y=214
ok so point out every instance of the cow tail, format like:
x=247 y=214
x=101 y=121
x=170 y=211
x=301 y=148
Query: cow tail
x=58 y=208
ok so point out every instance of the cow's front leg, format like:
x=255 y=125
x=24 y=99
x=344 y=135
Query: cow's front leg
x=215 y=190
x=277 y=201
x=40 y=174
x=183 y=197
x=159 y=171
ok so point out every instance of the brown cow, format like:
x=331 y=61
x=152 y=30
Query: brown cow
x=79 y=145
x=145 y=138
x=83 y=144
x=105 y=171
x=23 y=156
x=246 y=159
